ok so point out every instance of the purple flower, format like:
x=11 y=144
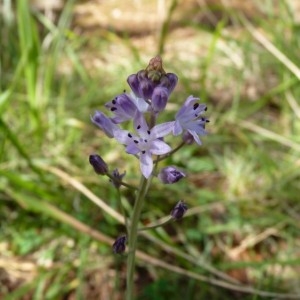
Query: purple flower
x=99 y=165
x=189 y=118
x=146 y=143
x=179 y=210
x=123 y=107
x=170 y=175
x=119 y=245
x=104 y=123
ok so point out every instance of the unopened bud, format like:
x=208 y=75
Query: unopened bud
x=170 y=175
x=119 y=245
x=179 y=210
x=99 y=165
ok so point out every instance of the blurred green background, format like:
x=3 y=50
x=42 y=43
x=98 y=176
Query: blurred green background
x=61 y=60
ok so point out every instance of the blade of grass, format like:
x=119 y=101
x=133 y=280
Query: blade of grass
x=271 y=47
x=15 y=141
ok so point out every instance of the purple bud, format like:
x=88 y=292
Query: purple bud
x=146 y=88
x=118 y=177
x=159 y=98
x=134 y=84
x=119 y=245
x=173 y=79
x=98 y=164
x=179 y=210
x=188 y=138
x=170 y=175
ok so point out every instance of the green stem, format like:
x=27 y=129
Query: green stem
x=158 y=224
x=160 y=158
x=132 y=238
x=129 y=186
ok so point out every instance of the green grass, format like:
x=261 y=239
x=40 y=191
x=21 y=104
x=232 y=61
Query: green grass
x=243 y=184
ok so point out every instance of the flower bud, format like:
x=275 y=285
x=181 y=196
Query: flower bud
x=170 y=175
x=117 y=178
x=179 y=210
x=159 y=98
x=99 y=165
x=119 y=245
x=188 y=138
x=133 y=82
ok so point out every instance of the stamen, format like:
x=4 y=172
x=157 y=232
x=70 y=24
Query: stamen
x=196 y=105
x=143 y=152
x=136 y=141
x=138 y=127
x=114 y=101
x=129 y=135
x=148 y=131
x=113 y=109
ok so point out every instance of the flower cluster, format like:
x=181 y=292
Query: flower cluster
x=150 y=91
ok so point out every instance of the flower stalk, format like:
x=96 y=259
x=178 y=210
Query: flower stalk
x=132 y=237
x=150 y=92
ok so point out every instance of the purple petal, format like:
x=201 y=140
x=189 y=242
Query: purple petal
x=187 y=104
x=177 y=128
x=104 y=123
x=132 y=149
x=140 y=124
x=159 y=147
x=195 y=136
x=140 y=103
x=146 y=164
x=162 y=130
x=123 y=136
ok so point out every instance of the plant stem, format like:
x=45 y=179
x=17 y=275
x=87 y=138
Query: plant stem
x=132 y=238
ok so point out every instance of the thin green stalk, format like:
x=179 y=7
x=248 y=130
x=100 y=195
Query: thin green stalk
x=132 y=238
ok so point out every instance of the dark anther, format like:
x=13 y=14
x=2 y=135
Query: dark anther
x=136 y=141
x=196 y=106
x=113 y=109
x=148 y=131
x=129 y=135
x=138 y=127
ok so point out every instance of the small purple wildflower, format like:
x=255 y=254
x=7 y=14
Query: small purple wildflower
x=179 y=210
x=146 y=143
x=189 y=118
x=99 y=165
x=170 y=175
x=119 y=245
